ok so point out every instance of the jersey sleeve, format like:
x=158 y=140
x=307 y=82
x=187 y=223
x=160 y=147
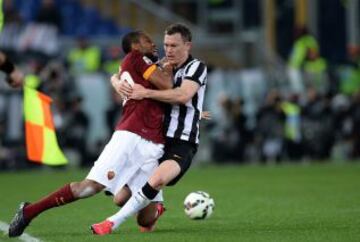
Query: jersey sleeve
x=197 y=72
x=144 y=66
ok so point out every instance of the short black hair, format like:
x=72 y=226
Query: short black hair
x=129 y=39
x=182 y=29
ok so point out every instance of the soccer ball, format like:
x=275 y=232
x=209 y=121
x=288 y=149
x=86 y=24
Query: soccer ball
x=199 y=205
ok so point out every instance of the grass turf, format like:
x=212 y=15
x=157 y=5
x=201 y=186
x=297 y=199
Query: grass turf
x=318 y=202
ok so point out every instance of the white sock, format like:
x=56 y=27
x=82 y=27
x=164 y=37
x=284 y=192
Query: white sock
x=136 y=202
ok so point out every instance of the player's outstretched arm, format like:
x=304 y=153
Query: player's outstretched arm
x=161 y=78
x=177 y=95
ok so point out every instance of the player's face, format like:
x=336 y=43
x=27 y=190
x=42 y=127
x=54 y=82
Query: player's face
x=176 y=49
x=147 y=46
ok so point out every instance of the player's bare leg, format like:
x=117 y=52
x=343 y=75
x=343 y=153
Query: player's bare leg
x=148 y=216
x=66 y=194
x=122 y=196
x=162 y=175
x=146 y=219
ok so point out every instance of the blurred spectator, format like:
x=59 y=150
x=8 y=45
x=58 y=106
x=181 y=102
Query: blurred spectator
x=318 y=125
x=49 y=14
x=240 y=123
x=55 y=82
x=219 y=3
x=355 y=117
x=11 y=14
x=224 y=138
x=4 y=153
x=350 y=73
x=10 y=154
x=112 y=60
x=303 y=42
x=75 y=129
x=229 y=135
x=84 y=58
x=292 y=134
x=315 y=71
x=270 y=128
x=342 y=127
x=114 y=111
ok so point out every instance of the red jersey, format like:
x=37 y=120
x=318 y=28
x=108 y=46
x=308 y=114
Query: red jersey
x=143 y=117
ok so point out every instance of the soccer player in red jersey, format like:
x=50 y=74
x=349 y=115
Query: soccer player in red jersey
x=131 y=155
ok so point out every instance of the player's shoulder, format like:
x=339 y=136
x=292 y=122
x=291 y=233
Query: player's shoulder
x=195 y=63
x=133 y=55
x=137 y=56
x=198 y=60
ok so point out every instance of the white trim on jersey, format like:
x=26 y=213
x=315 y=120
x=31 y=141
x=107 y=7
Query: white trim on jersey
x=188 y=119
x=193 y=68
x=174 y=116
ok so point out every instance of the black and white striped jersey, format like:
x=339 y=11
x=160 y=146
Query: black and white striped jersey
x=182 y=121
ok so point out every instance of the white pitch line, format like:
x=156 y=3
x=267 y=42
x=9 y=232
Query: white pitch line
x=24 y=237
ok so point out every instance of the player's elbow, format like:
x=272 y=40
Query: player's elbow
x=180 y=96
x=183 y=98
x=165 y=85
x=182 y=101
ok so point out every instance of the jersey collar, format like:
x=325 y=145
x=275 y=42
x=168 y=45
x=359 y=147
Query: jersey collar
x=189 y=59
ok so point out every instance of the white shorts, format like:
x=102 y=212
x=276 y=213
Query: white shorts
x=126 y=159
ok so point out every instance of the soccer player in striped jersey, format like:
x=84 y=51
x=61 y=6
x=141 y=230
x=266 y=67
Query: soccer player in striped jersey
x=182 y=118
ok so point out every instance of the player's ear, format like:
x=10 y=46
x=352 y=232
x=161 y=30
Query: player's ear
x=188 y=45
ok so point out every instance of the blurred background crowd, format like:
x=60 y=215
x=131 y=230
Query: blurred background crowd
x=283 y=84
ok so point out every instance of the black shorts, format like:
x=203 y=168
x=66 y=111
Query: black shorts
x=180 y=151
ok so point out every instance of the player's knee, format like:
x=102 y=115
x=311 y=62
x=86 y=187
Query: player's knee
x=122 y=196
x=145 y=221
x=158 y=182
x=118 y=201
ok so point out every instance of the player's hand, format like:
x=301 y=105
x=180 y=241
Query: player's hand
x=138 y=92
x=206 y=115
x=114 y=79
x=15 y=79
x=124 y=89
x=168 y=67
x=162 y=61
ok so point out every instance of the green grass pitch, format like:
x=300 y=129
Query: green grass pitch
x=318 y=202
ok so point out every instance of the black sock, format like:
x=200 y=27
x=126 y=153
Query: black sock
x=149 y=191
